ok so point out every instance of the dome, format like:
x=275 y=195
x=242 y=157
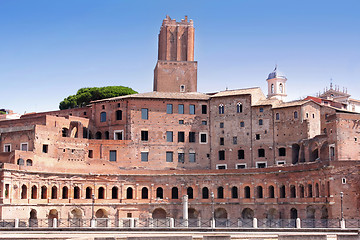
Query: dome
x=276 y=74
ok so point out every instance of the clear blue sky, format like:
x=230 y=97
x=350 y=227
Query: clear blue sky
x=50 y=49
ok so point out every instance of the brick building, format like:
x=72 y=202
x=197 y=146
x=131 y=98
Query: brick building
x=137 y=155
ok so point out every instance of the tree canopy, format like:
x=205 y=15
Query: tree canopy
x=85 y=95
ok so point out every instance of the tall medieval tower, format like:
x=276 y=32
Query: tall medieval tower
x=176 y=70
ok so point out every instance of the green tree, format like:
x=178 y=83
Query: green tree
x=85 y=95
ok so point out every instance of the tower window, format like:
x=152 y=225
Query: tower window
x=221 y=109
x=144 y=113
x=221 y=125
x=203 y=109
x=221 y=141
x=182 y=88
x=169 y=108
x=272 y=88
x=103 y=117
x=277 y=116
x=281 y=88
x=239 y=108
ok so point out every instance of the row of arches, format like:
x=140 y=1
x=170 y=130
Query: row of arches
x=22 y=162
x=292 y=191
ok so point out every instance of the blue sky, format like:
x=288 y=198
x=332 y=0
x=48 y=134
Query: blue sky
x=50 y=49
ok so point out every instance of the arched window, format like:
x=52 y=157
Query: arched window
x=271 y=192
x=234 y=192
x=65 y=193
x=260 y=122
x=107 y=135
x=205 y=193
x=29 y=162
x=76 y=192
x=103 y=117
x=159 y=193
x=277 y=116
x=101 y=192
x=310 y=191
x=20 y=161
x=65 y=132
x=98 y=135
x=259 y=192
x=317 y=190
x=221 y=109
x=88 y=193
x=302 y=191
x=239 y=108
x=220 y=192
x=129 y=193
x=23 y=192
x=190 y=192
x=272 y=88
x=175 y=193
x=144 y=193
x=43 y=192
x=34 y=192
x=292 y=191
x=54 y=192
x=247 y=192
x=295 y=114
x=114 y=193
x=281 y=88
x=282 y=192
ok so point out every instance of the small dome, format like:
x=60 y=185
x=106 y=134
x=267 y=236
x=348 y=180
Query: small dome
x=276 y=74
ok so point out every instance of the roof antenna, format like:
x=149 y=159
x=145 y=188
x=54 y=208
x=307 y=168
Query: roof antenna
x=331 y=83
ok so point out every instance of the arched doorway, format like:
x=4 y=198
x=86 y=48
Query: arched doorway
x=53 y=213
x=247 y=213
x=193 y=215
x=33 y=221
x=221 y=216
x=159 y=213
x=293 y=216
x=101 y=215
x=295 y=153
x=76 y=218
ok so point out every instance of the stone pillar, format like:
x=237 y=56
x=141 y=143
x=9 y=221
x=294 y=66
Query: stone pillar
x=342 y=224
x=172 y=222
x=132 y=222
x=298 y=223
x=185 y=210
x=92 y=223
x=17 y=223
x=255 y=223
x=55 y=222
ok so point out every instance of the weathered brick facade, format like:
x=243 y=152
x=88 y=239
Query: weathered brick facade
x=139 y=154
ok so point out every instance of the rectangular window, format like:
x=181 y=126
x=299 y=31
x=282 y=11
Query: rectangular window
x=169 y=156
x=203 y=109
x=118 y=115
x=221 y=141
x=192 y=157
x=192 y=109
x=261 y=164
x=90 y=154
x=7 y=189
x=221 y=125
x=221 y=166
x=204 y=122
x=242 y=124
x=234 y=140
x=261 y=152
x=24 y=147
x=118 y=135
x=181 y=136
x=203 y=138
x=241 y=154
x=261 y=109
x=144 y=113
x=45 y=148
x=221 y=155
x=181 y=157
x=144 y=156
x=192 y=137
x=144 y=135
x=257 y=136
x=181 y=121
x=112 y=157
x=169 y=136
x=103 y=117
x=181 y=108
x=7 y=147
x=241 y=166
x=169 y=108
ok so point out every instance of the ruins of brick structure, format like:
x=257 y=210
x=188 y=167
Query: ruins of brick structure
x=138 y=155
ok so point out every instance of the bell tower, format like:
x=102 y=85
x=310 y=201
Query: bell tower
x=176 y=70
x=276 y=85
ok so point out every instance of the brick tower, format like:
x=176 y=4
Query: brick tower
x=176 y=70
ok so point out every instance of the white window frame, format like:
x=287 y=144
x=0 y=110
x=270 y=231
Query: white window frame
x=221 y=165
x=207 y=137
x=280 y=163
x=260 y=163
x=118 y=131
x=27 y=146
x=7 y=145
x=241 y=164
x=343 y=180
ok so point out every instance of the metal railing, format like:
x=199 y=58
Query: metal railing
x=178 y=223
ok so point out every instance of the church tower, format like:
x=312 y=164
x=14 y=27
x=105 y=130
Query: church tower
x=276 y=85
x=176 y=70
